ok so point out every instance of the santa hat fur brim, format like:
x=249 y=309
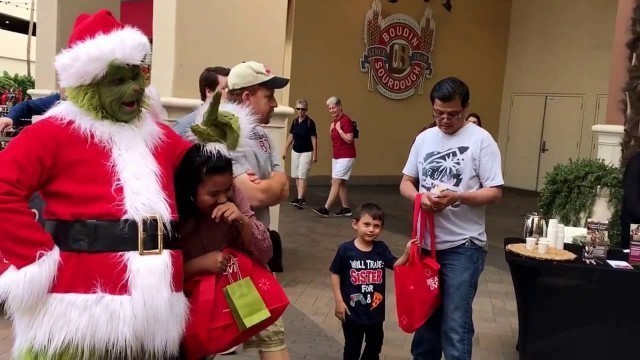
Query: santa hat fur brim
x=87 y=61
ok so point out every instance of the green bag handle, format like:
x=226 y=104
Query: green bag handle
x=231 y=268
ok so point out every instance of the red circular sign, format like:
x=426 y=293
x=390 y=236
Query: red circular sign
x=398 y=74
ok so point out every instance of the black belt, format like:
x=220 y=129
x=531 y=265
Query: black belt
x=112 y=236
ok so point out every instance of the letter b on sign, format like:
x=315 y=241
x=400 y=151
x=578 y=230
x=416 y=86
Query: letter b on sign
x=399 y=61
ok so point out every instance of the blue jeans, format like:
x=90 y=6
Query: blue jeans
x=450 y=328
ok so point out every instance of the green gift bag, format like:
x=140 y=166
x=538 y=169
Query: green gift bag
x=246 y=304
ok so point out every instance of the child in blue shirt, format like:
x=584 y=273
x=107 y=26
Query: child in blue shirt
x=358 y=282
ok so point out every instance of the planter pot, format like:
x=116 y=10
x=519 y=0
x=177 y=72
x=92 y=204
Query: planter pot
x=601 y=210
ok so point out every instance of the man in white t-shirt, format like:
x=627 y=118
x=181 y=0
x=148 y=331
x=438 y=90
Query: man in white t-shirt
x=456 y=166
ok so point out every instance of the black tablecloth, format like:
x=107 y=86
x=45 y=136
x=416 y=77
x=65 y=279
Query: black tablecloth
x=572 y=310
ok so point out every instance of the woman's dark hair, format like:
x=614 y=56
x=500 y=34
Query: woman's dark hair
x=370 y=209
x=449 y=89
x=474 y=115
x=194 y=167
x=209 y=79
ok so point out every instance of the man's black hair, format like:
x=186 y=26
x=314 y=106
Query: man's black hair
x=209 y=79
x=449 y=89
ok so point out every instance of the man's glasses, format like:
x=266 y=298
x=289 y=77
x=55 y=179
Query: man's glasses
x=301 y=109
x=437 y=115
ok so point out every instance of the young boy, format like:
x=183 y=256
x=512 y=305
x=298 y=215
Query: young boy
x=358 y=282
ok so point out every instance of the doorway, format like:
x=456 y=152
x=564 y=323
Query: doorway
x=543 y=130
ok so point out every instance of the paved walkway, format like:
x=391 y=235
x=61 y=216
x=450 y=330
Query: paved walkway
x=310 y=243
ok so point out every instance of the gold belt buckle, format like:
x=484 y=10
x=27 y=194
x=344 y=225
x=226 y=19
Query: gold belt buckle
x=141 y=235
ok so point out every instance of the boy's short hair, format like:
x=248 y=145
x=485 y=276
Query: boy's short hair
x=371 y=209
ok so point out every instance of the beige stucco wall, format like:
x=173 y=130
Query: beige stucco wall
x=54 y=30
x=13 y=53
x=559 y=47
x=470 y=42
x=191 y=35
x=13 y=46
x=619 y=62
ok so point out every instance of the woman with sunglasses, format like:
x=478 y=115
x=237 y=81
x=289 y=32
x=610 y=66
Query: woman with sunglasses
x=303 y=139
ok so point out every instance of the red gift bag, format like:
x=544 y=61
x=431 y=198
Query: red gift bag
x=417 y=283
x=211 y=328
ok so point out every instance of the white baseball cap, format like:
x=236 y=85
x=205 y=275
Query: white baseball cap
x=251 y=73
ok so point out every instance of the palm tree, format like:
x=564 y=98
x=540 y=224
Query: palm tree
x=33 y=3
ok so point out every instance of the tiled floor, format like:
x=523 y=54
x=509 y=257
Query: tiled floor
x=310 y=242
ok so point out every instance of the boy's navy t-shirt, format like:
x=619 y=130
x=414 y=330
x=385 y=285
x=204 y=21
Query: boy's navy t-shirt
x=362 y=280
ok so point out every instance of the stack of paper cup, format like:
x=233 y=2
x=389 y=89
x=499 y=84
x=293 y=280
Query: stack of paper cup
x=543 y=245
x=552 y=232
x=560 y=237
x=531 y=243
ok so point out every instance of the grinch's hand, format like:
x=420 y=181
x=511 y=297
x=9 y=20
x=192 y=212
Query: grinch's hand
x=218 y=126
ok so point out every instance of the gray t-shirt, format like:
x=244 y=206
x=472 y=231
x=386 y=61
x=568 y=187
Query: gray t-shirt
x=259 y=155
x=466 y=161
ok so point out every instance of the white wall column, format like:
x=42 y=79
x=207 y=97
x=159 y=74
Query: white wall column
x=609 y=138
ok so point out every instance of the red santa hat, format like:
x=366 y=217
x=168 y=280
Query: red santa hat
x=97 y=40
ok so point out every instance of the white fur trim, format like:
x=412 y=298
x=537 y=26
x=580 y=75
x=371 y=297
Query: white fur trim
x=88 y=60
x=153 y=317
x=156 y=110
x=28 y=286
x=216 y=149
x=131 y=147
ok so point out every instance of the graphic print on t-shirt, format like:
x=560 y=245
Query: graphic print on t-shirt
x=442 y=168
x=365 y=274
x=362 y=279
x=261 y=139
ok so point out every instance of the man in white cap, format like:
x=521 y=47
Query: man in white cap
x=256 y=167
x=103 y=280
x=250 y=91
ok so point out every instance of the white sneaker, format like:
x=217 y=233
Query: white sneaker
x=230 y=351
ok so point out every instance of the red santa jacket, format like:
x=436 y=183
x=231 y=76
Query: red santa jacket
x=87 y=169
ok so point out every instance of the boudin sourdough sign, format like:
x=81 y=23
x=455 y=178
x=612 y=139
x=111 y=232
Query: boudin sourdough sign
x=397 y=52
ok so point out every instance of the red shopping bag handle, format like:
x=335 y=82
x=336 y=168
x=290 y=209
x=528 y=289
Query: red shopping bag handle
x=423 y=220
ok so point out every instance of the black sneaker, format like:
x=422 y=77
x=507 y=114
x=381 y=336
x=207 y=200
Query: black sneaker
x=322 y=211
x=343 y=212
x=294 y=202
x=299 y=204
x=302 y=201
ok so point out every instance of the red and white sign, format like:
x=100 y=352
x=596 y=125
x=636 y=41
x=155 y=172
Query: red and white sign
x=398 y=52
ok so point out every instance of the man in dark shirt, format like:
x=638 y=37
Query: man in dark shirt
x=304 y=137
x=28 y=109
x=211 y=80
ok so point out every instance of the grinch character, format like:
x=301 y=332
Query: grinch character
x=103 y=279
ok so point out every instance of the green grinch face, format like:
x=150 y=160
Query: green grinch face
x=121 y=92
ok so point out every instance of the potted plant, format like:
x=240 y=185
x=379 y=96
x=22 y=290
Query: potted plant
x=570 y=191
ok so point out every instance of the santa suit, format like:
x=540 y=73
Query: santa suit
x=90 y=169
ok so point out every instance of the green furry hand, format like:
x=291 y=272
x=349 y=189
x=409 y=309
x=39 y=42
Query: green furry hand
x=218 y=126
